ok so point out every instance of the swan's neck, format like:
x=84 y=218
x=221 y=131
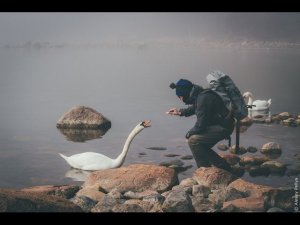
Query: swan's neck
x=121 y=158
x=250 y=100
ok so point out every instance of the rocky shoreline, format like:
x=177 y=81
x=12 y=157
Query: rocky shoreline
x=156 y=188
x=151 y=188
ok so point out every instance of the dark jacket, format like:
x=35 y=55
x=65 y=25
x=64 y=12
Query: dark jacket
x=209 y=109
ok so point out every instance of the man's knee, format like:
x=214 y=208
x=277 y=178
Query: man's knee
x=194 y=140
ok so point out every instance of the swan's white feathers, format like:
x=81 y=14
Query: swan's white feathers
x=258 y=104
x=97 y=161
x=261 y=104
x=89 y=160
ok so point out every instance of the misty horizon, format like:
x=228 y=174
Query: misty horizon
x=193 y=28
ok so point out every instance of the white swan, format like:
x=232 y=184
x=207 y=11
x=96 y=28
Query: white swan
x=97 y=161
x=258 y=104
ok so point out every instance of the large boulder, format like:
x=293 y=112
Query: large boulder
x=213 y=177
x=82 y=135
x=23 y=201
x=82 y=117
x=136 y=178
x=250 y=189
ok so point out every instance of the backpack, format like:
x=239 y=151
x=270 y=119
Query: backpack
x=224 y=86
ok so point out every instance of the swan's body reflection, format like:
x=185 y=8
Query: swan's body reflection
x=77 y=175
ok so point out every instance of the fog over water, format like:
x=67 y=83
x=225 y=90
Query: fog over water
x=121 y=64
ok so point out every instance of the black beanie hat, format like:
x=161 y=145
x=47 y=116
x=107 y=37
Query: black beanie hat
x=183 y=88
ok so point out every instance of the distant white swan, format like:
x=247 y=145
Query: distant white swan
x=258 y=104
x=97 y=161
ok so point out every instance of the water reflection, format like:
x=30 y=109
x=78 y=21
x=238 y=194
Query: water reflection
x=260 y=115
x=254 y=116
x=77 y=175
x=82 y=135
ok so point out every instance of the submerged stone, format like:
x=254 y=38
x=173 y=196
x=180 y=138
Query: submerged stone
x=271 y=148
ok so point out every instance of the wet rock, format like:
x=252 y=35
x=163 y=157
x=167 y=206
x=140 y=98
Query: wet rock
x=157 y=148
x=271 y=148
x=202 y=204
x=274 y=167
x=84 y=202
x=114 y=193
x=250 y=204
x=82 y=117
x=232 y=159
x=106 y=204
x=166 y=193
x=251 y=149
x=290 y=122
x=22 y=201
x=275 y=118
x=252 y=161
x=64 y=191
x=135 y=177
x=239 y=151
x=139 y=195
x=172 y=163
x=91 y=192
x=127 y=208
x=157 y=198
x=255 y=171
x=217 y=197
x=142 y=154
x=213 y=177
x=232 y=194
x=171 y=155
x=237 y=171
x=189 y=182
x=178 y=201
x=282 y=198
x=222 y=147
x=187 y=157
x=255 y=190
x=201 y=190
x=284 y=115
x=147 y=206
x=186 y=189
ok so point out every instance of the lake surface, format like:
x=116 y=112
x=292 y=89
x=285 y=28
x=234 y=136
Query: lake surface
x=128 y=85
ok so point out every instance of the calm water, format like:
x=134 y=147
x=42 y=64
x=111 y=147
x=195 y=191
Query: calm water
x=128 y=85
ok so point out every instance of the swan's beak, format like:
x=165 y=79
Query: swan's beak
x=146 y=123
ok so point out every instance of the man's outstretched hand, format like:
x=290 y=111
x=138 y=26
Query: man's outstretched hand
x=174 y=112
